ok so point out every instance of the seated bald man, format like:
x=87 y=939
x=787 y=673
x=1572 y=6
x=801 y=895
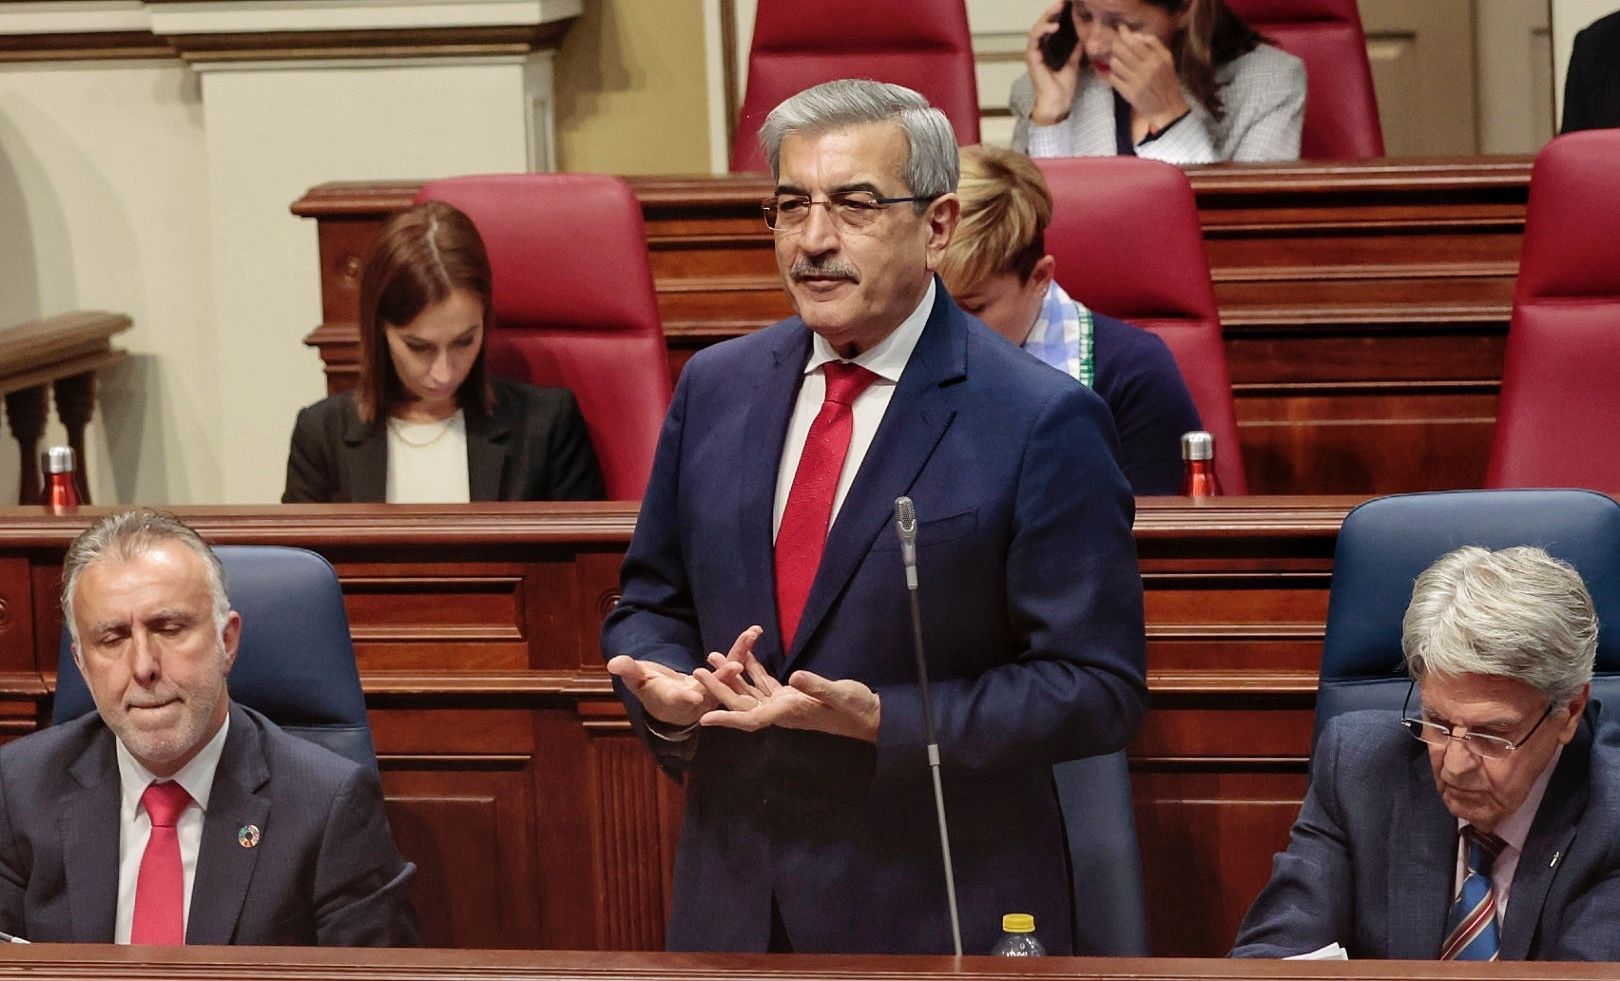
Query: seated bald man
x=1484 y=824
x=172 y=815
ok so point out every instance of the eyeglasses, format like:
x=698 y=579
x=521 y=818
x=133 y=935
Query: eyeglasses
x=849 y=209
x=1478 y=743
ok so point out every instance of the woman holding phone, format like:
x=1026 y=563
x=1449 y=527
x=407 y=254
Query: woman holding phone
x=1183 y=81
x=427 y=423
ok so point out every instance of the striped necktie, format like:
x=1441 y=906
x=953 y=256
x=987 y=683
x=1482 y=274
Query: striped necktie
x=1471 y=933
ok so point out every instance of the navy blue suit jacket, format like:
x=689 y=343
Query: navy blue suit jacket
x=1372 y=860
x=1032 y=613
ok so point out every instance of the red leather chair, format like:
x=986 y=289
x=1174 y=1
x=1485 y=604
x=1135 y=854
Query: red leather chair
x=921 y=44
x=1341 y=111
x=574 y=304
x=1559 y=413
x=1127 y=241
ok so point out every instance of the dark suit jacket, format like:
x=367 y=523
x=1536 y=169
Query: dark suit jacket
x=1372 y=859
x=533 y=446
x=1592 y=87
x=325 y=871
x=1032 y=614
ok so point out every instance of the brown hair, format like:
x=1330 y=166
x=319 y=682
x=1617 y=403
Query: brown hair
x=1212 y=37
x=421 y=255
x=1005 y=210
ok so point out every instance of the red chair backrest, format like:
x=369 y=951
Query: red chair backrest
x=1341 y=110
x=574 y=304
x=1559 y=413
x=921 y=44
x=1127 y=241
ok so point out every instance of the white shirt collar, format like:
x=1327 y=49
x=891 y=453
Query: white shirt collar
x=887 y=358
x=197 y=776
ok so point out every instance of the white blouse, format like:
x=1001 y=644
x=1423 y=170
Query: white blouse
x=427 y=461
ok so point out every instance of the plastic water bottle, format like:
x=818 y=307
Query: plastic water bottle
x=1018 y=937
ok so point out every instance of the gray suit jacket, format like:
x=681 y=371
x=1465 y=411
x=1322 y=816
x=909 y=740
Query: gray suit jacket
x=325 y=871
x=1372 y=858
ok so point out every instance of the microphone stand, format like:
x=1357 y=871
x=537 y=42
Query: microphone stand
x=905 y=521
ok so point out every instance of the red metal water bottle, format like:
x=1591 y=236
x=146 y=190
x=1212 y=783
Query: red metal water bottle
x=61 y=493
x=1198 y=465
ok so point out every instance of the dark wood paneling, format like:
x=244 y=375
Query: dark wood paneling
x=536 y=817
x=1365 y=305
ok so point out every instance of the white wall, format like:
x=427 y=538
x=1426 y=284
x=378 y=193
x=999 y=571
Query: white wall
x=102 y=206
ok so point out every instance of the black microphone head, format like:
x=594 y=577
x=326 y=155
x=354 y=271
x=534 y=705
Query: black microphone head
x=905 y=515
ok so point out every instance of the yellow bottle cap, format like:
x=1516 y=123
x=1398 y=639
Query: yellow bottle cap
x=1018 y=923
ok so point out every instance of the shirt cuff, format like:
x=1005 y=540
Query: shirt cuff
x=668 y=733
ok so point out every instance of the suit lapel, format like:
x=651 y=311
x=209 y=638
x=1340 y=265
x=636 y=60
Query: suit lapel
x=765 y=434
x=487 y=436
x=224 y=865
x=1550 y=835
x=366 y=460
x=1423 y=864
x=917 y=416
x=90 y=823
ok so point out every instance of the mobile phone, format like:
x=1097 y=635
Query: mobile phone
x=1058 y=46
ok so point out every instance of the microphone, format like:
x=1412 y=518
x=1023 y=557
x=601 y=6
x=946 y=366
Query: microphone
x=905 y=526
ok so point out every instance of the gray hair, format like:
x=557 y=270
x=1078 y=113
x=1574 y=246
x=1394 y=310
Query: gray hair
x=932 y=166
x=1516 y=612
x=128 y=534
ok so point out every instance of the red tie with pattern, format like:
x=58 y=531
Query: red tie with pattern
x=160 y=889
x=809 y=505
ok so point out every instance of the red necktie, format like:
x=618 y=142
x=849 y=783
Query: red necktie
x=809 y=505
x=160 y=889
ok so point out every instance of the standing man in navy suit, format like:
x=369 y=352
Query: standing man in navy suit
x=767 y=533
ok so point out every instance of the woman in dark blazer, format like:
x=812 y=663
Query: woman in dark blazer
x=427 y=422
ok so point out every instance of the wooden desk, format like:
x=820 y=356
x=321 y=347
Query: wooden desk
x=1364 y=304
x=74 y=962
x=537 y=819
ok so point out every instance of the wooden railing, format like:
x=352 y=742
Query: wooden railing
x=59 y=355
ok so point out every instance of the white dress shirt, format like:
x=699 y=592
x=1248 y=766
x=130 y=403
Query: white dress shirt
x=886 y=359
x=134 y=827
x=427 y=461
x=1514 y=830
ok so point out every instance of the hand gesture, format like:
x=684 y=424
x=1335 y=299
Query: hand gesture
x=1054 y=90
x=1143 y=72
x=750 y=699
x=674 y=698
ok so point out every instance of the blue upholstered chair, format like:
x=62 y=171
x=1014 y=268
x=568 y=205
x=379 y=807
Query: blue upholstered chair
x=1384 y=545
x=295 y=663
x=1110 y=911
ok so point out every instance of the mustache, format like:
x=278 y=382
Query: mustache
x=825 y=269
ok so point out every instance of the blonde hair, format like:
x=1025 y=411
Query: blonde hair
x=1005 y=210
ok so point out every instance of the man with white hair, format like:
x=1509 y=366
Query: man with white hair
x=172 y=815
x=1483 y=824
